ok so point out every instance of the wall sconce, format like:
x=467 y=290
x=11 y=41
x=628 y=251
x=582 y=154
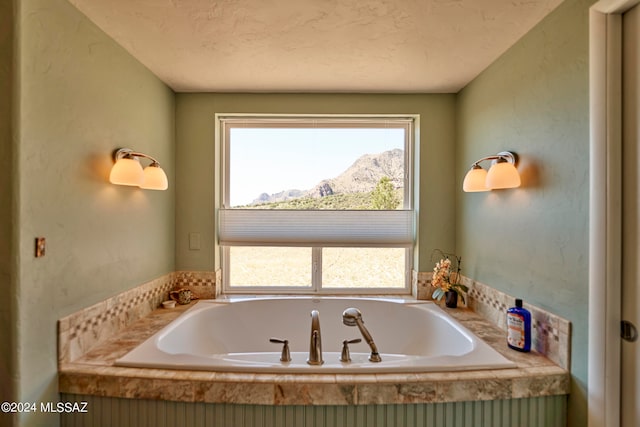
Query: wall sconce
x=127 y=170
x=502 y=174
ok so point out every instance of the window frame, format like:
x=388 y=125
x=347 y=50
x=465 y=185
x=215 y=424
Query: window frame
x=226 y=122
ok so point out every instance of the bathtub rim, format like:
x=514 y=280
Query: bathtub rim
x=138 y=357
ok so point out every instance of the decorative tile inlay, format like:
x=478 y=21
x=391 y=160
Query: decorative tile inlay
x=80 y=331
x=195 y=278
x=550 y=334
x=202 y=284
x=421 y=284
x=487 y=299
x=158 y=293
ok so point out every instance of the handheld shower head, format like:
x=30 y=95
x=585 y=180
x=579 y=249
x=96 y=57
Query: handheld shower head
x=351 y=316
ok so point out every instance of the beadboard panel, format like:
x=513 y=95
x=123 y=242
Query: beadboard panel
x=547 y=411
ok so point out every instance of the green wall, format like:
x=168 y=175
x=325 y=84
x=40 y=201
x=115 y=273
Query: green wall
x=195 y=160
x=77 y=95
x=80 y=97
x=532 y=242
x=7 y=216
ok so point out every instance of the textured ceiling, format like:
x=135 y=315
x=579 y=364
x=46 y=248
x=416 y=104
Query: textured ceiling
x=316 y=45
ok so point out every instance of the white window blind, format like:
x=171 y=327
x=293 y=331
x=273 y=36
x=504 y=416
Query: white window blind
x=320 y=227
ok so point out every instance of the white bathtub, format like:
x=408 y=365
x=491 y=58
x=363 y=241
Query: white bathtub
x=234 y=336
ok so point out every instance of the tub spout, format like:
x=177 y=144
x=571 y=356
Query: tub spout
x=353 y=317
x=315 y=346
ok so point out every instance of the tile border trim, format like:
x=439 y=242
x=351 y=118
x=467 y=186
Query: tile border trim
x=82 y=330
x=550 y=334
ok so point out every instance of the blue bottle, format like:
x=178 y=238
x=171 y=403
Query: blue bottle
x=519 y=327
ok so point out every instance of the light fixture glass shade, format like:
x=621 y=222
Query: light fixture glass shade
x=154 y=178
x=503 y=175
x=126 y=171
x=475 y=180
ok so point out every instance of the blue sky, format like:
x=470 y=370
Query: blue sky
x=270 y=160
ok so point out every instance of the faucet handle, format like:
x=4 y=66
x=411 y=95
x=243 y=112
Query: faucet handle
x=286 y=355
x=346 y=356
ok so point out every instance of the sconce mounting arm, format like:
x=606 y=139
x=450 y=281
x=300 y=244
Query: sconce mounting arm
x=503 y=156
x=128 y=153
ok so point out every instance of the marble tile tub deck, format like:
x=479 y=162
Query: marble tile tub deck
x=94 y=373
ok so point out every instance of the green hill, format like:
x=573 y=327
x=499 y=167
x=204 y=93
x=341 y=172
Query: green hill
x=347 y=201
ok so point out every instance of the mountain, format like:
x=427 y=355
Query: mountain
x=364 y=174
x=361 y=177
x=278 y=197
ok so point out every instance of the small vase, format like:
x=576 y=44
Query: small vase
x=451 y=299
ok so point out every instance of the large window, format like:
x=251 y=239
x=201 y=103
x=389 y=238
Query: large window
x=316 y=204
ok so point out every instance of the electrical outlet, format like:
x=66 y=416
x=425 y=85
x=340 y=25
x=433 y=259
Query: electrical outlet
x=194 y=241
x=40 y=246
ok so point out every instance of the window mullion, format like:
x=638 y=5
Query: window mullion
x=316 y=268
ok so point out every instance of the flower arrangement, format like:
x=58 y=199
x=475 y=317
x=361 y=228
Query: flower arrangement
x=445 y=279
